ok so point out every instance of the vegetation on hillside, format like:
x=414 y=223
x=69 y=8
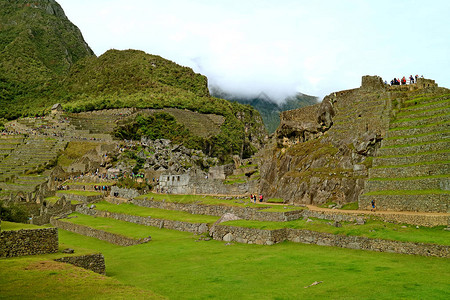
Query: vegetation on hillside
x=44 y=60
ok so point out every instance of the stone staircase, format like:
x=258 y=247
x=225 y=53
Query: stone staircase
x=411 y=170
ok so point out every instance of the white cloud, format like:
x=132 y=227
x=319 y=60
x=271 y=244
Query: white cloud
x=279 y=47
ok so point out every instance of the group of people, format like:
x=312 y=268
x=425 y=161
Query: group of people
x=253 y=198
x=403 y=81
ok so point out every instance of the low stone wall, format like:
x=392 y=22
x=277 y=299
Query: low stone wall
x=246 y=213
x=124 y=193
x=28 y=242
x=81 y=198
x=98 y=234
x=269 y=237
x=148 y=221
x=333 y=216
x=93 y=262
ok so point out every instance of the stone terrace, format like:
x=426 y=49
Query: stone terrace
x=411 y=171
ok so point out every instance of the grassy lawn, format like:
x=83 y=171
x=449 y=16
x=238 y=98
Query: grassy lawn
x=39 y=277
x=110 y=225
x=176 y=266
x=17 y=226
x=131 y=209
x=372 y=229
x=209 y=200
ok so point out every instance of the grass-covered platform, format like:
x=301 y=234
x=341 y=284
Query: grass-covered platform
x=371 y=229
x=175 y=265
x=211 y=200
x=156 y=213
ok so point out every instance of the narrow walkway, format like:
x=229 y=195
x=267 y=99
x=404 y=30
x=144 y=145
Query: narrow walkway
x=378 y=212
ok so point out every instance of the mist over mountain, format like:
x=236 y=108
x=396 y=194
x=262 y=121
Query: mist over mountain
x=268 y=107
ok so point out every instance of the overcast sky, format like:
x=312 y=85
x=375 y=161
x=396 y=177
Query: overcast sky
x=281 y=46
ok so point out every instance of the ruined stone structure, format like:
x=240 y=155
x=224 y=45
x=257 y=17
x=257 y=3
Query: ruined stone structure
x=327 y=152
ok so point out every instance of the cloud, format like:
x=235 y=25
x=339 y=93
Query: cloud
x=279 y=47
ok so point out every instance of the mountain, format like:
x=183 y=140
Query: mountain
x=38 y=44
x=44 y=60
x=268 y=108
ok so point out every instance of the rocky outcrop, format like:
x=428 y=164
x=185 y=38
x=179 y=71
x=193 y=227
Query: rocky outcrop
x=321 y=152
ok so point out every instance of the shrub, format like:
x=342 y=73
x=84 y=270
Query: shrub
x=13 y=212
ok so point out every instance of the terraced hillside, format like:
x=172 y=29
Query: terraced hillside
x=411 y=170
x=24 y=154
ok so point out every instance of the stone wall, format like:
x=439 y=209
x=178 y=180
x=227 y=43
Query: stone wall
x=124 y=193
x=28 y=242
x=148 y=221
x=246 y=213
x=269 y=237
x=93 y=262
x=98 y=234
x=81 y=198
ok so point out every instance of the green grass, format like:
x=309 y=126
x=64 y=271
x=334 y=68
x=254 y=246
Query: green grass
x=408 y=192
x=131 y=209
x=419 y=118
x=275 y=200
x=408 y=113
x=423 y=98
x=416 y=135
x=372 y=229
x=39 y=277
x=424 y=104
x=408 y=178
x=127 y=229
x=415 y=144
x=176 y=266
x=5 y=225
x=80 y=193
x=350 y=206
x=423 y=163
x=209 y=200
x=420 y=126
x=416 y=154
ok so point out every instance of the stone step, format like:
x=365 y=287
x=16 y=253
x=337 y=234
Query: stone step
x=416 y=202
x=437 y=127
x=425 y=99
x=411 y=159
x=420 y=107
x=429 y=137
x=416 y=122
x=441 y=183
x=424 y=113
x=412 y=149
x=441 y=168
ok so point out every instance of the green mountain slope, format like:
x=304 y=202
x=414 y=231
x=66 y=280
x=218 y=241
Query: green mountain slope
x=44 y=60
x=38 y=44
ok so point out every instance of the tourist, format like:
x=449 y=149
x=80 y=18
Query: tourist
x=373 y=205
x=260 y=198
x=251 y=197
x=417 y=77
x=411 y=79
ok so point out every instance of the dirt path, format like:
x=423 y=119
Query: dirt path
x=378 y=212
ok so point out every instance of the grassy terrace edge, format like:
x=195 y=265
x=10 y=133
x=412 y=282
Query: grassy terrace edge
x=407 y=192
x=407 y=178
x=156 y=213
x=372 y=229
x=210 y=200
x=122 y=228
